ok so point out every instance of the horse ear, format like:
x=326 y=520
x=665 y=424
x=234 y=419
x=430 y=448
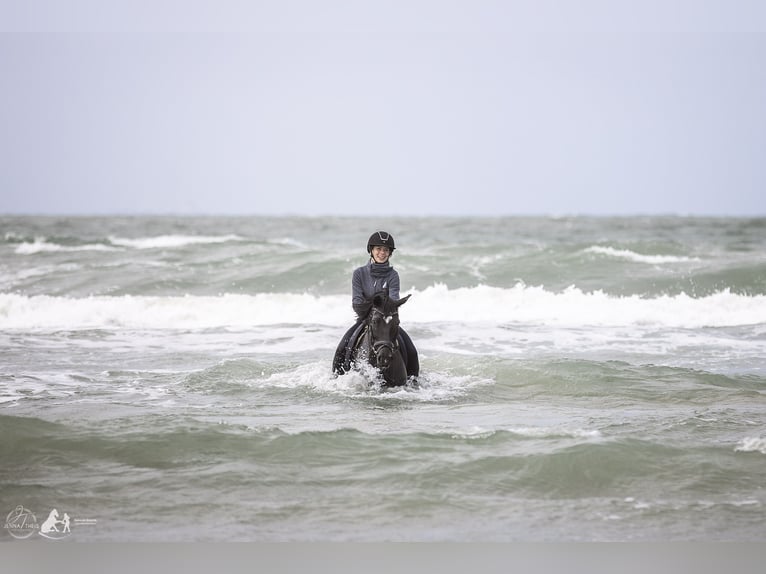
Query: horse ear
x=403 y=300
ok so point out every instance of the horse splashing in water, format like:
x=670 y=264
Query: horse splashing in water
x=377 y=342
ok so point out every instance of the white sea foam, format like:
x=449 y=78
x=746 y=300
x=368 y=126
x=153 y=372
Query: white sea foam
x=40 y=245
x=171 y=241
x=43 y=245
x=287 y=241
x=489 y=306
x=548 y=432
x=638 y=257
x=366 y=383
x=752 y=444
x=474 y=433
x=188 y=312
x=574 y=307
x=478 y=432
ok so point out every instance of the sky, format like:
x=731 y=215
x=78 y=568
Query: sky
x=416 y=107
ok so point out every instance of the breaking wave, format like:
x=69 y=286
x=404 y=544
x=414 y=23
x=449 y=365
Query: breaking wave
x=520 y=304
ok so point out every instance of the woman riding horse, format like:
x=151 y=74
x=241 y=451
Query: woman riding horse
x=368 y=280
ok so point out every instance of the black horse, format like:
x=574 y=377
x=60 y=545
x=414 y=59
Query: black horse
x=378 y=341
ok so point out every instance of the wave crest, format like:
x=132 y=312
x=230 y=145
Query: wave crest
x=752 y=444
x=172 y=241
x=639 y=257
x=475 y=305
x=47 y=245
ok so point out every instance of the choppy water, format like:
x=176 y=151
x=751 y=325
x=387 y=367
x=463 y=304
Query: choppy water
x=582 y=379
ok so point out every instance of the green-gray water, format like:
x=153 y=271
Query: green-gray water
x=169 y=379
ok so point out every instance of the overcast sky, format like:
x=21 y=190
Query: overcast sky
x=417 y=107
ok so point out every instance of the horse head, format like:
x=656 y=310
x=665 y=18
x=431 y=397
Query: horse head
x=384 y=327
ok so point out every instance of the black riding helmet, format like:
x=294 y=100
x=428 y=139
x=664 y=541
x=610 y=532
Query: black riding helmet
x=380 y=238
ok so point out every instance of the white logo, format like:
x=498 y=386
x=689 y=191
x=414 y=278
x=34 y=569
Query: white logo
x=50 y=529
x=21 y=523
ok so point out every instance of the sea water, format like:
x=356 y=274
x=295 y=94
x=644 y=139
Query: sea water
x=169 y=379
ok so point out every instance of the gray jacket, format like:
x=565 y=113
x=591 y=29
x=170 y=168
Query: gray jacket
x=368 y=280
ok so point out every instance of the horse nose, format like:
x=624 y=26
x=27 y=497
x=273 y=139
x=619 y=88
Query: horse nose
x=384 y=359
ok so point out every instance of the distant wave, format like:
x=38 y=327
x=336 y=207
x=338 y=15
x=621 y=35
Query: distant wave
x=529 y=432
x=43 y=246
x=479 y=305
x=287 y=241
x=638 y=257
x=170 y=241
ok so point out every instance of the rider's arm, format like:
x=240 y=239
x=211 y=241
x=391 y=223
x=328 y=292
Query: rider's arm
x=393 y=286
x=358 y=301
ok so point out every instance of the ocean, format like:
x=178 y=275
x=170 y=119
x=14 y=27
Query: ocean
x=169 y=379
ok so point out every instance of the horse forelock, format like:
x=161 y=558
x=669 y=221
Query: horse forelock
x=387 y=307
x=387 y=315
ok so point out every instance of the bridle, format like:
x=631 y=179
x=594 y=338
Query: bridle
x=378 y=347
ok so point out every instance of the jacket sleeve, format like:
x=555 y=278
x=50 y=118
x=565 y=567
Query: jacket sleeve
x=393 y=285
x=358 y=301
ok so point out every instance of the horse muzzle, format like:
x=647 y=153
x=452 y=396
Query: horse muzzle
x=384 y=354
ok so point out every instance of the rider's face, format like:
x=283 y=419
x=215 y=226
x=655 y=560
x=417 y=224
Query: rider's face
x=380 y=253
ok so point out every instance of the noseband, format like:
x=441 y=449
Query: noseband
x=378 y=346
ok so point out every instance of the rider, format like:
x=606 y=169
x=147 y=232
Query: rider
x=377 y=275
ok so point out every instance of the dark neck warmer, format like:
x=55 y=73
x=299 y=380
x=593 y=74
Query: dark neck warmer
x=379 y=269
